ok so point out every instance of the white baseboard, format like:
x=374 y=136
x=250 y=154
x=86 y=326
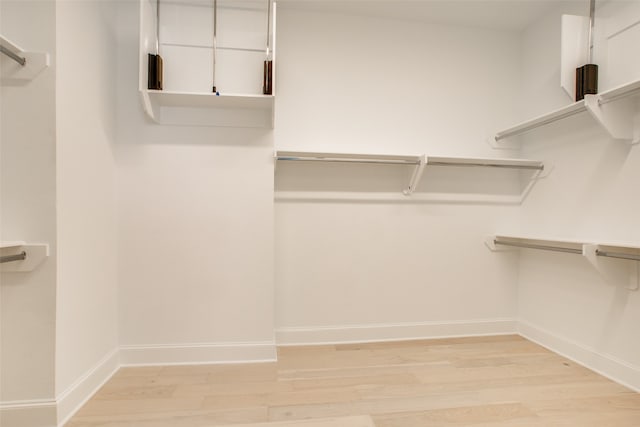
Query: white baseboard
x=186 y=354
x=393 y=332
x=78 y=393
x=604 y=364
x=28 y=413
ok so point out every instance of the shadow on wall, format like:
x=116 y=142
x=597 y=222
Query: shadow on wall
x=456 y=183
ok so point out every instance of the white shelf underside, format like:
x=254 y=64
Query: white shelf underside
x=618 y=122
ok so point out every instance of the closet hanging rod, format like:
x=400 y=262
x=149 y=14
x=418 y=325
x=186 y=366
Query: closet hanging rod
x=619 y=255
x=537 y=246
x=485 y=164
x=338 y=159
x=20 y=60
x=10 y=258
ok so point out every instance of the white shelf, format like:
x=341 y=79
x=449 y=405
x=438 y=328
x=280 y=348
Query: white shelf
x=485 y=162
x=545 y=119
x=628 y=252
x=631 y=253
x=4 y=245
x=13 y=72
x=34 y=254
x=419 y=162
x=11 y=46
x=347 y=158
x=610 y=260
x=567 y=246
x=211 y=100
x=613 y=109
x=209 y=109
x=622 y=91
x=183 y=108
x=408 y=160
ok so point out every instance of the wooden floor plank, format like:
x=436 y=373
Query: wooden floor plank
x=501 y=381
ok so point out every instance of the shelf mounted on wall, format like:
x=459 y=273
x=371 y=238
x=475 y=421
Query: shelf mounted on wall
x=18 y=256
x=611 y=261
x=419 y=163
x=615 y=110
x=210 y=108
x=19 y=66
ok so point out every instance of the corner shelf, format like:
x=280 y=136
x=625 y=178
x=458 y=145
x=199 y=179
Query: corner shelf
x=613 y=109
x=19 y=65
x=208 y=109
x=19 y=256
x=616 y=255
x=419 y=162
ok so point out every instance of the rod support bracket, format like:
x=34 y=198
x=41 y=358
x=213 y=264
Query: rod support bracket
x=416 y=176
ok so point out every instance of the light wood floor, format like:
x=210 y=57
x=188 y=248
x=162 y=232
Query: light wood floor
x=481 y=382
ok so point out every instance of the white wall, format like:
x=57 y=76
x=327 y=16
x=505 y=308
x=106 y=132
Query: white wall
x=86 y=321
x=592 y=194
x=28 y=212
x=195 y=248
x=356 y=269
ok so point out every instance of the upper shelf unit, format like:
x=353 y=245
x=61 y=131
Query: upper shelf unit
x=614 y=110
x=418 y=162
x=19 y=65
x=198 y=60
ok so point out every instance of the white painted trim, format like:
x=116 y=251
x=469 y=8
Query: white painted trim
x=199 y=353
x=35 y=413
x=606 y=365
x=78 y=393
x=393 y=332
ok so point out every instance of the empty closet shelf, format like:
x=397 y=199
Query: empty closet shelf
x=19 y=256
x=609 y=109
x=11 y=258
x=480 y=162
x=541 y=244
x=419 y=165
x=347 y=158
x=12 y=51
x=19 y=64
x=621 y=252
